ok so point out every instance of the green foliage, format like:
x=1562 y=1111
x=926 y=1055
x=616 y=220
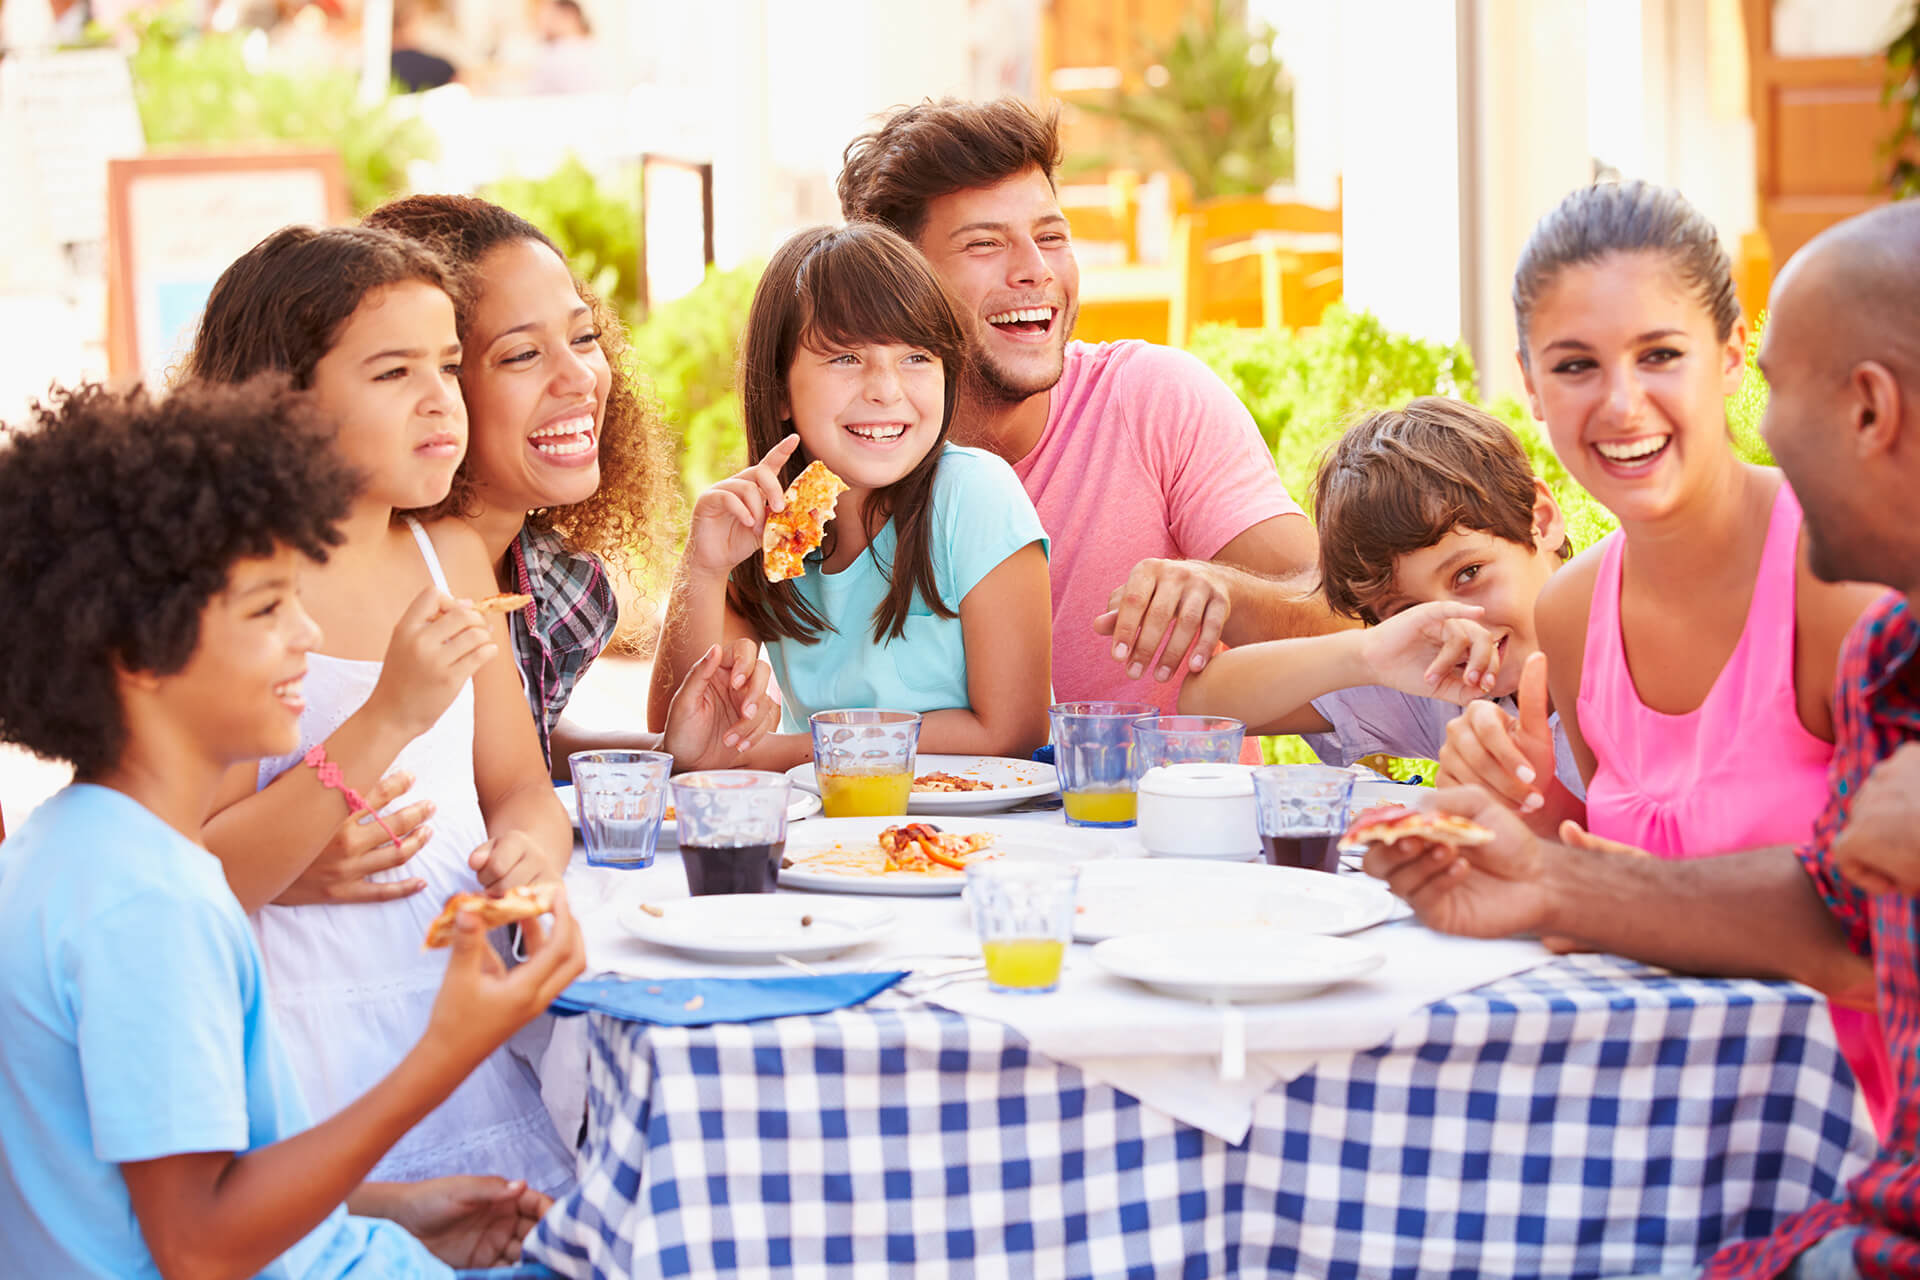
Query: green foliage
x=196 y=89
x=688 y=347
x=1902 y=90
x=595 y=223
x=1219 y=106
x=1748 y=405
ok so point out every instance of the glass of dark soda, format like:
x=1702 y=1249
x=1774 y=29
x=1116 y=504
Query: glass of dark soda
x=1302 y=810
x=733 y=829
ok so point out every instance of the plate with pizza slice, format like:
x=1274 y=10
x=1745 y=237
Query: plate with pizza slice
x=801 y=804
x=963 y=784
x=916 y=858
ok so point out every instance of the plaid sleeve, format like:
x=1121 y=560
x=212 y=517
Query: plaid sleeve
x=1852 y=757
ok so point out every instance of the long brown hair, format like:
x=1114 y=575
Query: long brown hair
x=847 y=285
x=280 y=306
x=923 y=152
x=636 y=490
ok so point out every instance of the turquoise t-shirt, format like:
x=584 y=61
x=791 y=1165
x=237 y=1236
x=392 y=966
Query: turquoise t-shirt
x=134 y=1024
x=981 y=516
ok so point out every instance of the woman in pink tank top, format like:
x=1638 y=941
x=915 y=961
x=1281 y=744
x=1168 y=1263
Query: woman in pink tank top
x=1691 y=654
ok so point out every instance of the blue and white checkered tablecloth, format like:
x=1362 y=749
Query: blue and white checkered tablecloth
x=1587 y=1118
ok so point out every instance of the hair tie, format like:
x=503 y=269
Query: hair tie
x=330 y=777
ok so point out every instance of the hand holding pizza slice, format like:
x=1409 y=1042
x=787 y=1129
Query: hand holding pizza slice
x=794 y=532
x=1388 y=824
x=511 y=907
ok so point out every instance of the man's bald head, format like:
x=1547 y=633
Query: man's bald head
x=1841 y=353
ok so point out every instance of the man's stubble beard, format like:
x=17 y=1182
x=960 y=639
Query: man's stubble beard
x=987 y=384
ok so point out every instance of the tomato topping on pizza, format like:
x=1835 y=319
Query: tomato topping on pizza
x=791 y=534
x=1388 y=823
x=523 y=903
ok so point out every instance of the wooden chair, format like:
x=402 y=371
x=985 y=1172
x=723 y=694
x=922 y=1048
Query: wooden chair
x=1120 y=297
x=1105 y=217
x=1253 y=262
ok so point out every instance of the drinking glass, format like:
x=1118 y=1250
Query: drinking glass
x=1093 y=749
x=864 y=761
x=1023 y=912
x=1301 y=810
x=621 y=796
x=1162 y=740
x=733 y=829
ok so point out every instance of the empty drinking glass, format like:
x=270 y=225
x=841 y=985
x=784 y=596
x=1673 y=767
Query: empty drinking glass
x=1162 y=740
x=621 y=796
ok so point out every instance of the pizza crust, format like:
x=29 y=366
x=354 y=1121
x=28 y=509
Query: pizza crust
x=503 y=603
x=1391 y=823
x=791 y=534
x=523 y=903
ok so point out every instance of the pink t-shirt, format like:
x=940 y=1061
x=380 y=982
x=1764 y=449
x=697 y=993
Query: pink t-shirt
x=1146 y=455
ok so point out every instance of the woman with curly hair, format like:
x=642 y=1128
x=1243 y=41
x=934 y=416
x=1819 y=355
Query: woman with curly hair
x=565 y=474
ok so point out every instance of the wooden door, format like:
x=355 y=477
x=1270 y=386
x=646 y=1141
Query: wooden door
x=1818 y=130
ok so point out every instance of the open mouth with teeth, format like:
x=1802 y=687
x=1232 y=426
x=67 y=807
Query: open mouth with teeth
x=1637 y=454
x=877 y=432
x=569 y=438
x=290 y=693
x=1027 y=322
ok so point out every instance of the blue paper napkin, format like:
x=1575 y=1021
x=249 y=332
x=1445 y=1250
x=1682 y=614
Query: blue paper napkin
x=699 y=1002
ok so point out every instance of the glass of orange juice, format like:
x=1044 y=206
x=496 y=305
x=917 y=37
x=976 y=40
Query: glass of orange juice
x=1023 y=912
x=1093 y=749
x=864 y=761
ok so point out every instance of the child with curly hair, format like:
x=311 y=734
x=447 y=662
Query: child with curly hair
x=153 y=1122
x=565 y=475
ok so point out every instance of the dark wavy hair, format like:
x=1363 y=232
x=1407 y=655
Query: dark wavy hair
x=1626 y=217
x=637 y=484
x=846 y=285
x=121 y=516
x=280 y=306
x=890 y=174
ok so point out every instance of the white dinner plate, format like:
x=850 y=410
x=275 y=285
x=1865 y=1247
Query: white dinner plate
x=1237 y=964
x=1013 y=781
x=803 y=804
x=1157 y=894
x=1012 y=839
x=758 y=926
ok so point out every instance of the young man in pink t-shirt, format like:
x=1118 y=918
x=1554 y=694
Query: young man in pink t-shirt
x=1171 y=529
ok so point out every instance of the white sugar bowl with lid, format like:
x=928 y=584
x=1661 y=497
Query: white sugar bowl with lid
x=1198 y=811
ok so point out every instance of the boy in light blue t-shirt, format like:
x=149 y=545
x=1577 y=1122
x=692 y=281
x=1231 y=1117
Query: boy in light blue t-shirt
x=149 y=1120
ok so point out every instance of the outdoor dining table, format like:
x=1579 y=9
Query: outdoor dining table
x=1585 y=1117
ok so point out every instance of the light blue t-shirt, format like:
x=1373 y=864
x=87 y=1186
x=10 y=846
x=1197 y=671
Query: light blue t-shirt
x=134 y=1024
x=981 y=515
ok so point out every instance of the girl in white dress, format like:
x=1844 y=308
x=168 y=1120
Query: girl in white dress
x=415 y=697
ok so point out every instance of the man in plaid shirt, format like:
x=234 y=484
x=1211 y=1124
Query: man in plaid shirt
x=1842 y=913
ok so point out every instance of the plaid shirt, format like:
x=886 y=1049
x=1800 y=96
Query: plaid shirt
x=572 y=617
x=1877 y=708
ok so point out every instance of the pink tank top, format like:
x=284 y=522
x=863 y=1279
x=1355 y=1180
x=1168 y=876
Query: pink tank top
x=1739 y=771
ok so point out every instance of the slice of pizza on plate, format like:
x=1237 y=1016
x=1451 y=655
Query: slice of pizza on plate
x=791 y=534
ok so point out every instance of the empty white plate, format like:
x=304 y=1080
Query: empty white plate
x=758 y=926
x=1237 y=964
x=1155 y=894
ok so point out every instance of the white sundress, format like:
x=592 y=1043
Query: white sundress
x=350 y=984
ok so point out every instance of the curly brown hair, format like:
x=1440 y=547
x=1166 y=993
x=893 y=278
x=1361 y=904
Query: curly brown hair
x=121 y=516
x=638 y=493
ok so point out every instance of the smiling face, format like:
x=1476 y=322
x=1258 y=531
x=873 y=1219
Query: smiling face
x=392 y=382
x=870 y=411
x=1005 y=255
x=1626 y=370
x=241 y=689
x=536 y=382
x=1472 y=566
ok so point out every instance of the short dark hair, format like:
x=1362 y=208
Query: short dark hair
x=853 y=284
x=937 y=148
x=280 y=306
x=121 y=516
x=1626 y=217
x=1400 y=480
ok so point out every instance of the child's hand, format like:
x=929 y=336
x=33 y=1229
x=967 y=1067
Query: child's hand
x=1510 y=756
x=359 y=847
x=470 y=1221
x=437 y=645
x=1879 y=848
x=728 y=518
x=722 y=709
x=508 y=861
x=481 y=1003
x=1434 y=650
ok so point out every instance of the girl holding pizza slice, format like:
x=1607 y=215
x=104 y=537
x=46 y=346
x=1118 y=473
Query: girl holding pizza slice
x=1691 y=653
x=929 y=592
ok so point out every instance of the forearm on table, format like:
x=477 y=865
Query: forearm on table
x=569 y=737
x=961 y=731
x=696 y=620
x=1742 y=915
x=1275 y=608
x=779 y=752
x=265 y=840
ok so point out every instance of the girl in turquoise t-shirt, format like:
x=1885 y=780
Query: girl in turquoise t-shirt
x=929 y=592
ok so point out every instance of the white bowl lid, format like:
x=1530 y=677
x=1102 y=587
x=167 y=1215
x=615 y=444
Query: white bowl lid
x=1205 y=781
